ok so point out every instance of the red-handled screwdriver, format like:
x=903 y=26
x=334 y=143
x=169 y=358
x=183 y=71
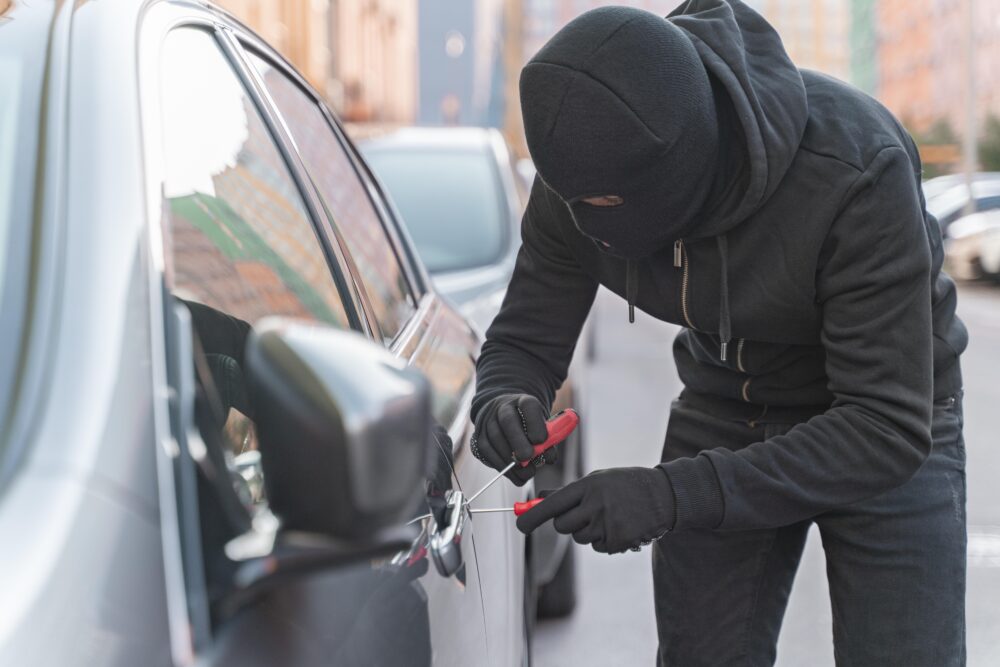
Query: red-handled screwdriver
x=518 y=508
x=558 y=428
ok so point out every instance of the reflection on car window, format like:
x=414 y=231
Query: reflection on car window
x=346 y=199
x=241 y=244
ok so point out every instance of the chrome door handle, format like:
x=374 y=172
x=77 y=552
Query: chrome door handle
x=445 y=543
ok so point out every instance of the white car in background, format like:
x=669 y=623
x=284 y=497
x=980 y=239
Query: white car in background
x=948 y=203
x=461 y=197
x=972 y=249
x=940 y=184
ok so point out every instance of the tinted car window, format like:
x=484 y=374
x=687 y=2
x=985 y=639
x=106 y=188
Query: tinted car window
x=347 y=200
x=450 y=201
x=988 y=203
x=242 y=245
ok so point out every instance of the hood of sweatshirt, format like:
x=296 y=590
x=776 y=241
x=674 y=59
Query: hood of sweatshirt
x=743 y=53
x=654 y=129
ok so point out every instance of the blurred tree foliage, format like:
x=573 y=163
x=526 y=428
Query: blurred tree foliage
x=989 y=144
x=940 y=133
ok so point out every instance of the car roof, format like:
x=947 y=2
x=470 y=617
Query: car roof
x=949 y=180
x=980 y=187
x=456 y=138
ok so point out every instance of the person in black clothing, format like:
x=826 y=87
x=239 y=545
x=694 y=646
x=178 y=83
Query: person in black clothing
x=776 y=215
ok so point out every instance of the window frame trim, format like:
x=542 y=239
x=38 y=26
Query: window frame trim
x=416 y=280
x=155 y=22
x=190 y=641
x=355 y=302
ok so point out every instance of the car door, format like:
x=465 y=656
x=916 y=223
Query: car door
x=435 y=338
x=431 y=335
x=241 y=242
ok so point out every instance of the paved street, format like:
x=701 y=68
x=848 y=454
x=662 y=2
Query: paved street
x=631 y=384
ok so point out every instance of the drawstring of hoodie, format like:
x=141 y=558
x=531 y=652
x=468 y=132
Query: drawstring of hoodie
x=725 y=326
x=631 y=287
x=725 y=323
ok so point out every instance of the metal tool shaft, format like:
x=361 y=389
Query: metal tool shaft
x=490 y=483
x=493 y=509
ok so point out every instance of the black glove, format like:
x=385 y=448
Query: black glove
x=614 y=509
x=508 y=427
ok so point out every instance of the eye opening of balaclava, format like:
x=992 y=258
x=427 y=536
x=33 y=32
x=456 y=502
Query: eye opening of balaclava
x=618 y=103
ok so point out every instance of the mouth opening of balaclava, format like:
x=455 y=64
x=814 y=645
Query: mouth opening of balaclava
x=619 y=105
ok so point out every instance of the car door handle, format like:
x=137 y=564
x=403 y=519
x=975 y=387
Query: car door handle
x=445 y=543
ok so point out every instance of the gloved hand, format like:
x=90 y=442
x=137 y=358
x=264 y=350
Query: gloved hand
x=614 y=509
x=509 y=426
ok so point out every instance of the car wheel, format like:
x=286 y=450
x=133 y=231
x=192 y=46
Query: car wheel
x=557 y=599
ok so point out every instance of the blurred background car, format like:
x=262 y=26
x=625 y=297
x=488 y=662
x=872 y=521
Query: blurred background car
x=989 y=251
x=951 y=202
x=461 y=197
x=972 y=249
x=939 y=184
x=461 y=201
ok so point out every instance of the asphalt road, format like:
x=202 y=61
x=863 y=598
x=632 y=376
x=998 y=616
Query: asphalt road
x=631 y=383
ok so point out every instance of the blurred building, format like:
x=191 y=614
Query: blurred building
x=863 y=42
x=299 y=29
x=923 y=59
x=360 y=54
x=906 y=58
x=543 y=18
x=815 y=32
x=460 y=60
x=375 y=59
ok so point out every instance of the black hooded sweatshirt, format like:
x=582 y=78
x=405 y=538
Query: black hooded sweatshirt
x=808 y=281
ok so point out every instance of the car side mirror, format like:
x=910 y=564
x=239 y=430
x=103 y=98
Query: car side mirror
x=344 y=430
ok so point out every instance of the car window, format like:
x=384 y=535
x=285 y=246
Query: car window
x=988 y=203
x=241 y=245
x=450 y=201
x=346 y=199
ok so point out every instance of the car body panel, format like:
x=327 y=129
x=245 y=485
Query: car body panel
x=96 y=569
x=479 y=294
x=84 y=499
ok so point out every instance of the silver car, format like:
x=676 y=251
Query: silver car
x=233 y=411
x=461 y=197
x=949 y=204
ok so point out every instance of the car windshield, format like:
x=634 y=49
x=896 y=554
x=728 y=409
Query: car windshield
x=450 y=201
x=23 y=27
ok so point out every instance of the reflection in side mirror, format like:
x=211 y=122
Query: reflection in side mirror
x=344 y=429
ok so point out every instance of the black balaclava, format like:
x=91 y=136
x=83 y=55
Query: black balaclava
x=618 y=103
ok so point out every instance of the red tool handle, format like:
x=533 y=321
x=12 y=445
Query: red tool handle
x=521 y=508
x=559 y=428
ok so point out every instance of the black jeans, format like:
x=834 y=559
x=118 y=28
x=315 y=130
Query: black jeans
x=895 y=564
